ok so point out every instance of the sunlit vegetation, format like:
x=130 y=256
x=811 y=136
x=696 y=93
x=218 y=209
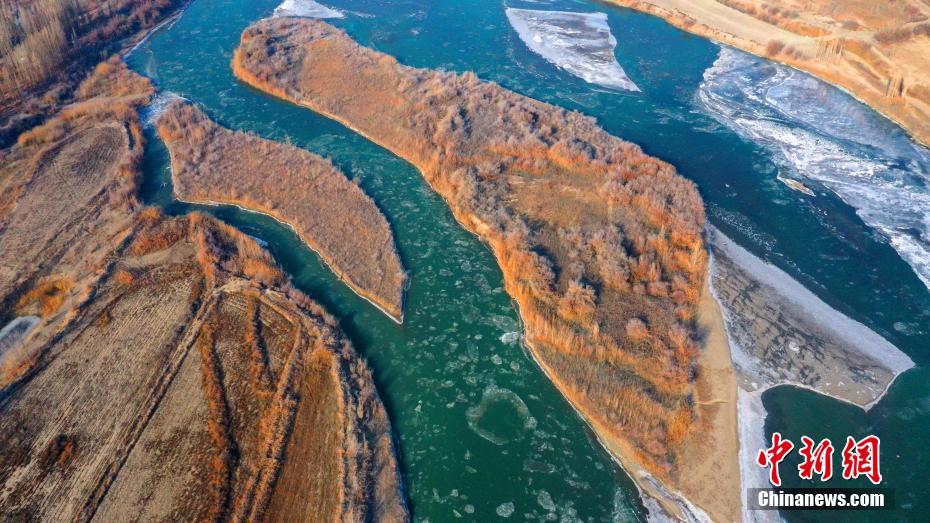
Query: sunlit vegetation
x=47 y=46
x=227 y=394
x=45 y=298
x=329 y=212
x=600 y=244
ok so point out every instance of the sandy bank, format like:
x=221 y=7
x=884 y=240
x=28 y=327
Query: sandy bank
x=838 y=47
x=782 y=334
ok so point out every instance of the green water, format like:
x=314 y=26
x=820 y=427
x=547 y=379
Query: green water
x=478 y=425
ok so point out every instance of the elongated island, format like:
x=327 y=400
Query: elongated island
x=211 y=164
x=600 y=244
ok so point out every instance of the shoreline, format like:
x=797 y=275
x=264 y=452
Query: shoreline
x=211 y=203
x=679 y=19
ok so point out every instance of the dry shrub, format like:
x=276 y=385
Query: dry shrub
x=46 y=297
x=774 y=47
x=636 y=329
x=124 y=277
x=155 y=234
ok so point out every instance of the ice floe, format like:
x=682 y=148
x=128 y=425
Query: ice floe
x=580 y=43
x=306 y=9
x=153 y=111
x=816 y=132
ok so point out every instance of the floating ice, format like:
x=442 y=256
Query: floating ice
x=306 y=9
x=580 y=43
x=153 y=111
x=505 y=510
x=494 y=394
x=817 y=132
x=510 y=338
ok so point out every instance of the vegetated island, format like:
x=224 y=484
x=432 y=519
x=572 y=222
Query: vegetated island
x=162 y=368
x=600 y=244
x=878 y=51
x=332 y=215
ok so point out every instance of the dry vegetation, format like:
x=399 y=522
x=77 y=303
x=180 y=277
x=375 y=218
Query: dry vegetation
x=329 y=212
x=878 y=50
x=67 y=199
x=177 y=391
x=47 y=46
x=600 y=244
x=171 y=362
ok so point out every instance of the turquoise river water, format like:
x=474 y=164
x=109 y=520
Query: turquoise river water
x=481 y=432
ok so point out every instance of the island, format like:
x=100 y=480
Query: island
x=600 y=244
x=331 y=214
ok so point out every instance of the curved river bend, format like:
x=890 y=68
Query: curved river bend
x=482 y=433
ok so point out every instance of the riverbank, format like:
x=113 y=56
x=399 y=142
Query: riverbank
x=852 y=52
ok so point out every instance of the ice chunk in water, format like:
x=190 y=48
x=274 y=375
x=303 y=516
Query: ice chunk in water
x=580 y=43
x=505 y=510
x=305 y=9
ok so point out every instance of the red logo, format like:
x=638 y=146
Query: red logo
x=774 y=455
x=860 y=458
x=817 y=460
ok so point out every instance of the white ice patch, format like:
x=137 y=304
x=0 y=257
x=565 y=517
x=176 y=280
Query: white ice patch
x=153 y=111
x=751 y=414
x=816 y=132
x=15 y=332
x=306 y=9
x=580 y=43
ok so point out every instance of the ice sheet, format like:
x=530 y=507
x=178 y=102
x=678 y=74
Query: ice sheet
x=815 y=132
x=580 y=43
x=306 y=9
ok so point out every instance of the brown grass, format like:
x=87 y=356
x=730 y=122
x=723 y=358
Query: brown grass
x=329 y=212
x=590 y=232
x=47 y=46
x=185 y=378
x=46 y=297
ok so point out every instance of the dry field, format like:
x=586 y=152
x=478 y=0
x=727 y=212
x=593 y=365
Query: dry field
x=178 y=390
x=877 y=50
x=329 y=212
x=171 y=363
x=599 y=243
x=66 y=202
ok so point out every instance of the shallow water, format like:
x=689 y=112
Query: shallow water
x=481 y=432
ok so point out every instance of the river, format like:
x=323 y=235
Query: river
x=481 y=432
